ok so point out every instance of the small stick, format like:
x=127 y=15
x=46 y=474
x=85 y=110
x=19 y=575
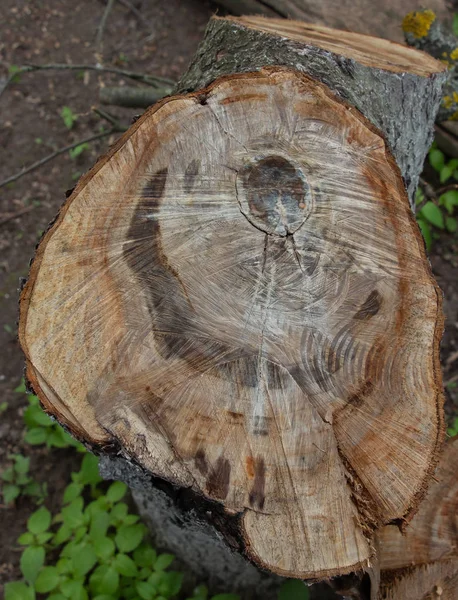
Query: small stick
x=153 y=80
x=103 y=22
x=16 y=214
x=46 y=159
x=135 y=12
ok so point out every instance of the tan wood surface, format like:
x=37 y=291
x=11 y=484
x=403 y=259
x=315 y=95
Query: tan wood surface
x=239 y=295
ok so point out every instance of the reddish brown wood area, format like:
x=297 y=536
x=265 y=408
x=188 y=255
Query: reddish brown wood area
x=239 y=295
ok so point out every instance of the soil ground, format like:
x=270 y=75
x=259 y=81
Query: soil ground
x=31 y=126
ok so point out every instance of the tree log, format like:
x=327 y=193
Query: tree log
x=355 y=15
x=422 y=563
x=395 y=89
x=237 y=298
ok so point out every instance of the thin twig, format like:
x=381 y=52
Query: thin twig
x=428 y=190
x=135 y=12
x=46 y=159
x=153 y=80
x=107 y=116
x=16 y=214
x=103 y=22
x=447 y=188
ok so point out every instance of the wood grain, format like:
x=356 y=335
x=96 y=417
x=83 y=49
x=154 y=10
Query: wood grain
x=239 y=295
x=422 y=562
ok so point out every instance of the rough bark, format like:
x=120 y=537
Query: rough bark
x=132 y=97
x=361 y=16
x=399 y=92
x=422 y=562
x=238 y=297
x=423 y=30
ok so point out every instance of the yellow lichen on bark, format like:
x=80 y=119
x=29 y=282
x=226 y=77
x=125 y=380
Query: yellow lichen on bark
x=418 y=23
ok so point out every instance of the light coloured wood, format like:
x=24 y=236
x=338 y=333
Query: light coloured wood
x=365 y=49
x=436 y=581
x=238 y=294
x=431 y=537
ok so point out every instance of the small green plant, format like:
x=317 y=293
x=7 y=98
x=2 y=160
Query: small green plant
x=17 y=481
x=68 y=116
x=15 y=73
x=3 y=407
x=75 y=152
x=453 y=429
x=41 y=429
x=94 y=548
x=432 y=217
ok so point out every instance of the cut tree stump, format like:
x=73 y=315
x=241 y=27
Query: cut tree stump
x=236 y=298
x=422 y=563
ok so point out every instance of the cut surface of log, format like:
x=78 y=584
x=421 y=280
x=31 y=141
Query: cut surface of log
x=238 y=294
x=398 y=89
x=422 y=562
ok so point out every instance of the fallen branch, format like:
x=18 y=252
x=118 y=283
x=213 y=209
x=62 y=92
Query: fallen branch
x=101 y=27
x=132 y=97
x=135 y=12
x=53 y=155
x=153 y=80
x=10 y=216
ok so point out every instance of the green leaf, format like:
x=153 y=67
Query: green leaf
x=68 y=117
x=451 y=224
x=104 y=597
x=56 y=597
x=10 y=492
x=173 y=581
x=455 y=24
x=128 y=537
x=125 y=565
x=163 y=561
x=104 y=580
x=80 y=533
x=22 y=464
x=36 y=436
x=293 y=589
x=426 y=232
x=26 y=539
x=116 y=491
x=72 y=491
x=145 y=556
x=104 y=548
x=100 y=522
x=62 y=535
x=42 y=538
x=432 y=213
x=145 y=590
x=32 y=560
x=75 y=152
x=446 y=173
x=18 y=590
x=63 y=565
x=74 y=589
x=72 y=515
x=89 y=472
x=39 y=521
x=449 y=200
x=47 y=580
x=436 y=159
x=21 y=389
x=229 y=597
x=35 y=416
x=83 y=560
x=119 y=513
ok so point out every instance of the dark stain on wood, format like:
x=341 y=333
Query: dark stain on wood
x=219 y=478
x=200 y=461
x=370 y=307
x=270 y=180
x=358 y=398
x=192 y=170
x=257 y=494
x=261 y=425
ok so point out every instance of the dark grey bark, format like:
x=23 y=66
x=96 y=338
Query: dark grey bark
x=188 y=530
x=402 y=106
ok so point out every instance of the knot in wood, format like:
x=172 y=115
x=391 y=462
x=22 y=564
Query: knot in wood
x=274 y=194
